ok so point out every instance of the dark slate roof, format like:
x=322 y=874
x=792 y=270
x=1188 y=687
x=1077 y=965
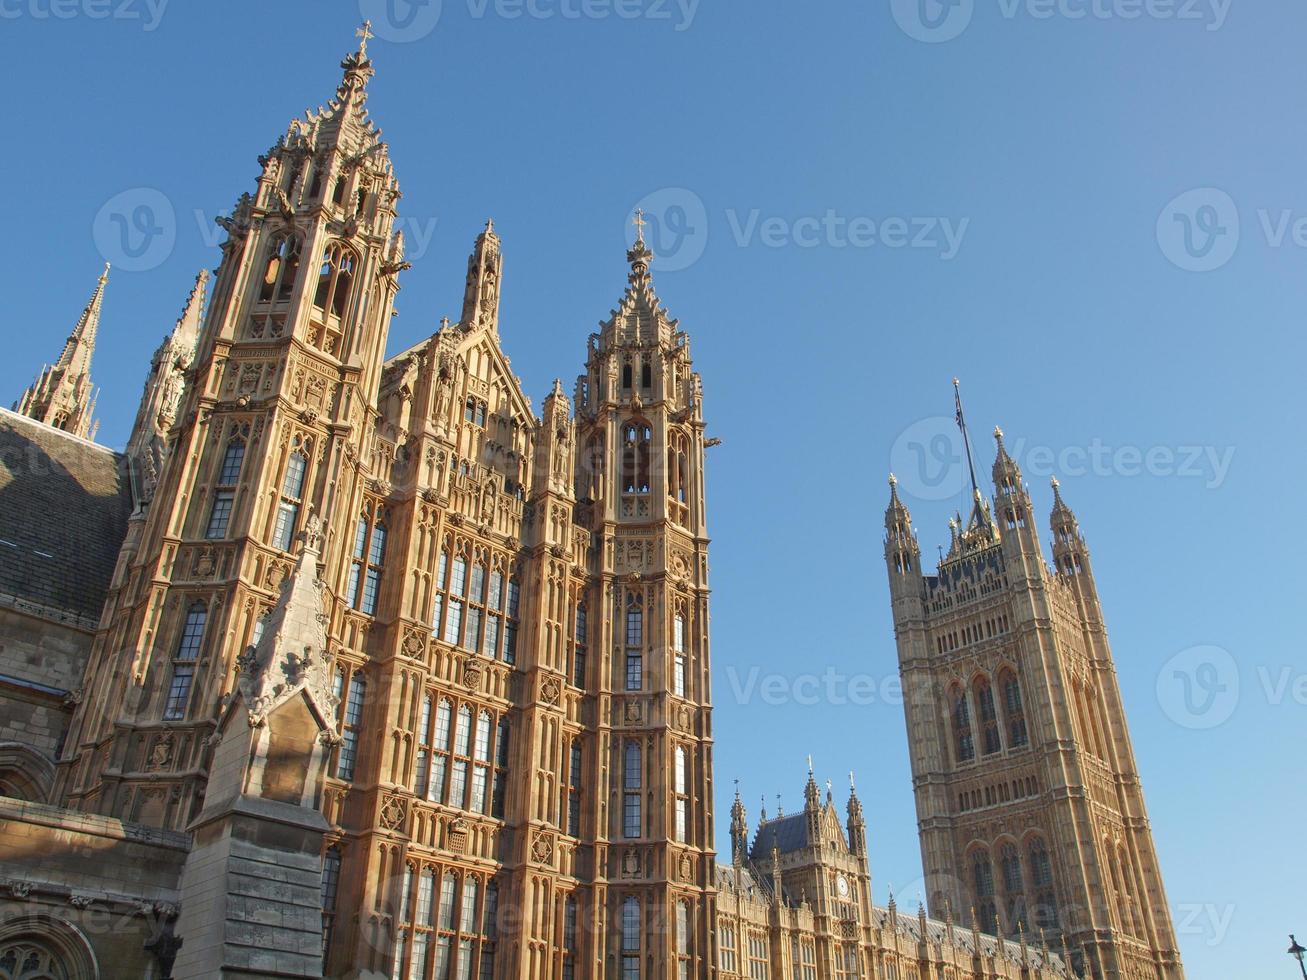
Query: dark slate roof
x=64 y=504
x=785 y=834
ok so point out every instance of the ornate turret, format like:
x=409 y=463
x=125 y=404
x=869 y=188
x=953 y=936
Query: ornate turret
x=162 y=397
x=739 y=831
x=902 y=551
x=1013 y=499
x=63 y=395
x=485 y=268
x=857 y=825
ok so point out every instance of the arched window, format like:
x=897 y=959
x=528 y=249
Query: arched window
x=631 y=939
x=1014 y=711
x=678 y=476
x=963 y=740
x=646 y=374
x=1014 y=890
x=681 y=789
x=292 y=496
x=633 y=779
x=330 y=885
x=570 y=949
x=579 y=645
x=422 y=772
x=626 y=375
x=183 y=661
x=349 y=746
x=462 y=759
x=1131 y=902
x=678 y=655
x=576 y=775
x=988 y=716
x=335 y=277
x=982 y=872
x=443 y=740
x=500 y=792
x=683 y=940
x=37 y=946
x=481 y=764
x=368 y=559
x=224 y=494
x=634 y=641
x=637 y=437
x=1041 y=877
x=281 y=270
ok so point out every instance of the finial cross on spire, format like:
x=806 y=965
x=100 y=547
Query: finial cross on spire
x=639 y=225
x=364 y=34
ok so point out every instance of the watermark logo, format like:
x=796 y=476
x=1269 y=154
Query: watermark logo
x=136 y=229
x=401 y=21
x=675 y=226
x=1198 y=688
x=933 y=21
x=148 y=12
x=928 y=459
x=1199 y=230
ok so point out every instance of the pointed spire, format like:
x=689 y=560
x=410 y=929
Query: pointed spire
x=739 y=829
x=897 y=515
x=979 y=514
x=291 y=654
x=811 y=794
x=1007 y=475
x=1060 y=508
x=62 y=395
x=485 y=268
x=855 y=804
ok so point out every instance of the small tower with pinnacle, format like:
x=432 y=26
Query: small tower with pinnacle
x=62 y=395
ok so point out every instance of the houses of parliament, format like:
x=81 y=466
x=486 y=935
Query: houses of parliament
x=356 y=666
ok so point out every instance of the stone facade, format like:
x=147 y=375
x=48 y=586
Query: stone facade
x=374 y=671
x=1029 y=801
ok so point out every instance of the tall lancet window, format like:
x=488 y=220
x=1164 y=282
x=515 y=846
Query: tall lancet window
x=631 y=939
x=292 y=497
x=281 y=269
x=963 y=741
x=1014 y=712
x=224 y=494
x=637 y=438
x=634 y=642
x=988 y=716
x=335 y=278
x=632 y=781
x=183 y=668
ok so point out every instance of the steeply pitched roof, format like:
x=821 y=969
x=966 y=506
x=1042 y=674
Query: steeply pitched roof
x=785 y=834
x=64 y=504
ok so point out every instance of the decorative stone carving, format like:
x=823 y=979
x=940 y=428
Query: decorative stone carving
x=415 y=644
x=542 y=848
x=550 y=691
x=161 y=754
x=473 y=670
x=394 y=813
x=457 y=835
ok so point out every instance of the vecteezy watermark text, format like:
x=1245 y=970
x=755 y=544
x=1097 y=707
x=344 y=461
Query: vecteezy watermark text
x=148 y=12
x=930 y=461
x=937 y=21
x=676 y=224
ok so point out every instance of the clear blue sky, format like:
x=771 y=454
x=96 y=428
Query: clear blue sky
x=1052 y=147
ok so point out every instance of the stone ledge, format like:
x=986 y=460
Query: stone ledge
x=65 y=820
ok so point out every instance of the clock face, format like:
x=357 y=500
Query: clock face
x=842 y=886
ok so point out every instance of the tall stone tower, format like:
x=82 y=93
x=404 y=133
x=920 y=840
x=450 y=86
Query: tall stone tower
x=1029 y=803
x=63 y=395
x=377 y=622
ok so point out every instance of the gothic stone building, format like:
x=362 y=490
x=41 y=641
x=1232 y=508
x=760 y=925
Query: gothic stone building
x=1029 y=803
x=357 y=667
